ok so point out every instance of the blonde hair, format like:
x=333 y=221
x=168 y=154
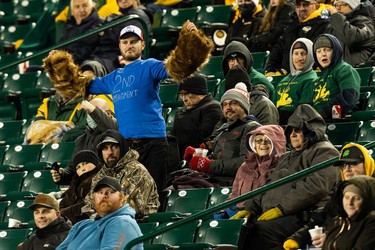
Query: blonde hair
x=269 y=18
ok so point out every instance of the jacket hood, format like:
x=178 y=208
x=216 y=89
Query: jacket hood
x=368 y=162
x=274 y=132
x=309 y=59
x=364 y=9
x=124 y=147
x=337 y=51
x=309 y=121
x=367 y=186
x=240 y=48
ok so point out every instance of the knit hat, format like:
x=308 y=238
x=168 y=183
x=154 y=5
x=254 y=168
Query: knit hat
x=239 y=94
x=108 y=181
x=299 y=45
x=235 y=75
x=354 y=189
x=85 y=156
x=44 y=200
x=321 y=42
x=350 y=155
x=352 y=3
x=196 y=84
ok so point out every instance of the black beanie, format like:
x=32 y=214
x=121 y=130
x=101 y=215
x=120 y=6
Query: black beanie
x=196 y=84
x=85 y=156
x=235 y=75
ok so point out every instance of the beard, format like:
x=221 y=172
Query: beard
x=105 y=207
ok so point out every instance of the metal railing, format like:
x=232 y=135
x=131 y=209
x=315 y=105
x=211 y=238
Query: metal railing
x=200 y=215
x=87 y=34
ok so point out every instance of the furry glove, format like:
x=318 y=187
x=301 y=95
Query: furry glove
x=200 y=164
x=189 y=152
x=271 y=214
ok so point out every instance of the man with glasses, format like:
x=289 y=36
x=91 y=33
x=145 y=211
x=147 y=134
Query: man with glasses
x=229 y=146
x=352 y=23
x=307 y=23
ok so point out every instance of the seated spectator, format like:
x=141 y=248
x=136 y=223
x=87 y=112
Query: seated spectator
x=83 y=17
x=196 y=121
x=290 y=90
x=236 y=53
x=354 y=160
x=338 y=83
x=114 y=225
x=260 y=105
x=265 y=146
x=100 y=118
x=51 y=228
x=352 y=22
x=229 y=146
x=107 y=56
x=276 y=214
x=87 y=165
x=248 y=15
x=121 y=162
x=64 y=106
x=275 y=20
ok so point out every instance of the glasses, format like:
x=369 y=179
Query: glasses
x=340 y=5
x=304 y=4
x=265 y=141
x=350 y=165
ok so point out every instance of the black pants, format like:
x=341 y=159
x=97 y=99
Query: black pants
x=153 y=155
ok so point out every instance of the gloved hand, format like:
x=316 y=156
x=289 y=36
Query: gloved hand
x=290 y=244
x=200 y=164
x=189 y=151
x=202 y=145
x=241 y=214
x=271 y=214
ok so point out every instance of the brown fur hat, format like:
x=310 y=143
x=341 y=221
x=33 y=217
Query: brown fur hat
x=65 y=75
x=192 y=52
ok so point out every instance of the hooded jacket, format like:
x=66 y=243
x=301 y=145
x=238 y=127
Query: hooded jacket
x=48 y=237
x=255 y=76
x=338 y=84
x=139 y=186
x=290 y=90
x=254 y=172
x=312 y=192
x=112 y=231
x=355 y=31
x=356 y=232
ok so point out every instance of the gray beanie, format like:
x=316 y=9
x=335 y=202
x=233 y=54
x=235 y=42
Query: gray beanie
x=322 y=41
x=239 y=94
x=352 y=3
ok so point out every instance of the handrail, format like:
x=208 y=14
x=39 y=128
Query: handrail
x=236 y=200
x=87 y=34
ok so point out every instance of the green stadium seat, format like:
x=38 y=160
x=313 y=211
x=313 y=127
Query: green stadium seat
x=219 y=195
x=212 y=85
x=146 y=228
x=2 y=152
x=170 y=119
x=61 y=153
x=11 y=182
x=213 y=68
x=18 y=155
x=367 y=131
x=212 y=14
x=19 y=195
x=363 y=116
x=13 y=33
x=338 y=132
x=19 y=210
x=39 y=181
x=10 y=132
x=31 y=8
x=168 y=94
x=6 y=13
x=10 y=238
x=188 y=200
x=367 y=75
x=220 y=90
x=3 y=208
x=260 y=59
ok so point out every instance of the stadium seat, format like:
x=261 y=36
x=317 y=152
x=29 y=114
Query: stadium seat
x=57 y=152
x=39 y=181
x=260 y=59
x=170 y=119
x=11 y=182
x=10 y=238
x=19 y=195
x=168 y=94
x=367 y=131
x=31 y=8
x=219 y=195
x=188 y=200
x=19 y=210
x=367 y=75
x=212 y=85
x=13 y=33
x=3 y=207
x=338 y=132
x=18 y=155
x=10 y=132
x=146 y=228
x=213 y=68
x=220 y=90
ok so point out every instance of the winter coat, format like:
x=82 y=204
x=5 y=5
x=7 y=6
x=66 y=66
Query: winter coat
x=310 y=28
x=255 y=76
x=356 y=33
x=192 y=126
x=48 y=237
x=263 y=108
x=113 y=231
x=229 y=149
x=82 y=49
x=254 y=172
x=338 y=84
x=140 y=187
x=73 y=199
x=356 y=232
x=312 y=192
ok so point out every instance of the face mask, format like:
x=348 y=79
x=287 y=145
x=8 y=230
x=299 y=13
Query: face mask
x=247 y=10
x=90 y=122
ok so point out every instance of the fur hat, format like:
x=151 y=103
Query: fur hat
x=352 y=3
x=196 y=84
x=321 y=42
x=239 y=94
x=193 y=43
x=65 y=75
x=85 y=156
x=235 y=75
